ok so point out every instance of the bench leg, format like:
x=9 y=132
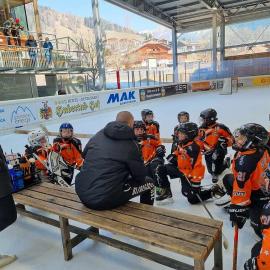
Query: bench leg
x=199 y=265
x=65 y=233
x=218 y=261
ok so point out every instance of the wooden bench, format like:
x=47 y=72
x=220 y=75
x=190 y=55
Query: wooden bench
x=174 y=231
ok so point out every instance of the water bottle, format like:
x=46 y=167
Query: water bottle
x=18 y=177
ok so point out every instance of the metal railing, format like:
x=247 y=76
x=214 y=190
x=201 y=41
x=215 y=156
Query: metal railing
x=20 y=58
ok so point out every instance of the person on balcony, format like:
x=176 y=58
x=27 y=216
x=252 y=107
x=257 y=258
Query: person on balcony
x=7 y=29
x=32 y=51
x=48 y=47
x=16 y=27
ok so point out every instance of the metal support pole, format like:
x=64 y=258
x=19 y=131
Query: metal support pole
x=99 y=45
x=222 y=42
x=175 y=55
x=37 y=19
x=214 y=43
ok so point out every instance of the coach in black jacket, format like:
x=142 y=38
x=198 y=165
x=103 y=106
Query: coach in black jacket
x=8 y=212
x=113 y=171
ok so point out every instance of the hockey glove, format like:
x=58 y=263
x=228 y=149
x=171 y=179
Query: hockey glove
x=160 y=151
x=172 y=159
x=29 y=151
x=238 y=215
x=251 y=264
x=223 y=143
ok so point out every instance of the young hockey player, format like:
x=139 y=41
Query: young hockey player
x=152 y=151
x=260 y=253
x=152 y=127
x=185 y=163
x=215 y=139
x=182 y=117
x=39 y=145
x=250 y=188
x=50 y=166
x=69 y=147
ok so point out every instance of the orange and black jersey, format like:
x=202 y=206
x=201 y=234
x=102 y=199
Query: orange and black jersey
x=148 y=148
x=250 y=182
x=263 y=260
x=42 y=154
x=70 y=150
x=152 y=128
x=209 y=136
x=189 y=158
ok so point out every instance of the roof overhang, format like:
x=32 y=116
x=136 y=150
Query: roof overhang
x=192 y=15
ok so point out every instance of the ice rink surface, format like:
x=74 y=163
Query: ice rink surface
x=38 y=246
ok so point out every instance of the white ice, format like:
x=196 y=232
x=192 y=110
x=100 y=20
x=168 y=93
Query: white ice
x=38 y=246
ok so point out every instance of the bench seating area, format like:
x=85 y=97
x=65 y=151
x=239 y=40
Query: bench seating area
x=174 y=231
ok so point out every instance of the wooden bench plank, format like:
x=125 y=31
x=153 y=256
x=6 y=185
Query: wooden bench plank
x=169 y=243
x=89 y=233
x=195 y=238
x=170 y=221
x=62 y=191
x=176 y=214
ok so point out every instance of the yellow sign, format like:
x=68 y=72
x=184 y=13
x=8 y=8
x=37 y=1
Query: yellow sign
x=261 y=81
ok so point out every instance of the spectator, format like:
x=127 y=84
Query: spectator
x=15 y=31
x=48 y=47
x=32 y=51
x=8 y=213
x=7 y=29
x=61 y=92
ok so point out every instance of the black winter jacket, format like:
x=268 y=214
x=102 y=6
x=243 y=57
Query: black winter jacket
x=5 y=180
x=111 y=157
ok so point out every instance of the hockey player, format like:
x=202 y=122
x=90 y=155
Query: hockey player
x=39 y=145
x=182 y=117
x=69 y=147
x=215 y=139
x=250 y=188
x=46 y=160
x=260 y=253
x=152 y=151
x=185 y=163
x=152 y=127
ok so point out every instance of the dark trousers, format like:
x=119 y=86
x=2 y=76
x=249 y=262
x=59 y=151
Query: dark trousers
x=255 y=208
x=8 y=213
x=132 y=189
x=173 y=172
x=152 y=168
x=215 y=161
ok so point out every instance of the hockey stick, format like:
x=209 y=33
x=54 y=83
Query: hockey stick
x=60 y=181
x=235 y=247
x=225 y=239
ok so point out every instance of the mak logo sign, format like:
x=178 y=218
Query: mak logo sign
x=122 y=98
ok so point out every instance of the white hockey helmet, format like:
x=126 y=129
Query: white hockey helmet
x=38 y=137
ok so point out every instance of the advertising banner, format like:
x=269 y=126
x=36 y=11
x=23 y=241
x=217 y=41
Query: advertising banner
x=261 y=81
x=200 y=86
x=118 y=98
x=152 y=93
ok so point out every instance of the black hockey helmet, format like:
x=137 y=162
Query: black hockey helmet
x=256 y=136
x=208 y=117
x=183 y=113
x=145 y=112
x=265 y=216
x=139 y=124
x=189 y=129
